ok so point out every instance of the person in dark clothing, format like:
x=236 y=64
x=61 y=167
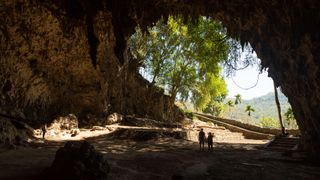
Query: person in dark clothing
x=210 y=142
x=201 y=138
x=44 y=130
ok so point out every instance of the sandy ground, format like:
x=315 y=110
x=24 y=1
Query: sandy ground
x=164 y=158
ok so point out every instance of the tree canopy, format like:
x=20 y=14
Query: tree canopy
x=184 y=58
x=269 y=122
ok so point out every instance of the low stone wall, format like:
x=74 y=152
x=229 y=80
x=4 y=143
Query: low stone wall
x=246 y=133
x=294 y=132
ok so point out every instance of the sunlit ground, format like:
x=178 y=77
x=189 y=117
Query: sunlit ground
x=163 y=157
x=106 y=140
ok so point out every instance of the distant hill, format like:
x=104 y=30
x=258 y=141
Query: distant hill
x=264 y=106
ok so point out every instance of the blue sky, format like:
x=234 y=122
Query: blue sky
x=247 y=78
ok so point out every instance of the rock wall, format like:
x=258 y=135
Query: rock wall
x=284 y=35
x=56 y=59
x=71 y=56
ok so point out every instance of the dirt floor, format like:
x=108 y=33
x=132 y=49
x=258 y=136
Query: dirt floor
x=165 y=158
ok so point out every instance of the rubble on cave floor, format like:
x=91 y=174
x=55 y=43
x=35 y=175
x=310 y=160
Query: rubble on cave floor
x=165 y=157
x=162 y=153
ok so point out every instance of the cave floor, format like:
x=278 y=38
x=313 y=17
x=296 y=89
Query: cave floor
x=165 y=158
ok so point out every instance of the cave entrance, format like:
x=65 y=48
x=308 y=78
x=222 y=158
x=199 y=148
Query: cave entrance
x=174 y=55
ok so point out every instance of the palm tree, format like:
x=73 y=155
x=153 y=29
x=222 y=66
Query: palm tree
x=238 y=99
x=278 y=108
x=249 y=109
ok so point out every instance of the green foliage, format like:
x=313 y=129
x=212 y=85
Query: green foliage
x=240 y=56
x=264 y=107
x=249 y=109
x=184 y=59
x=189 y=114
x=290 y=121
x=238 y=99
x=269 y=122
x=230 y=103
x=215 y=108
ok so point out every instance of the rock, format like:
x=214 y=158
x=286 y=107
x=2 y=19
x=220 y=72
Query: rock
x=114 y=118
x=99 y=128
x=74 y=132
x=8 y=132
x=78 y=160
x=11 y=135
x=111 y=128
x=63 y=126
x=37 y=132
x=130 y=120
x=68 y=122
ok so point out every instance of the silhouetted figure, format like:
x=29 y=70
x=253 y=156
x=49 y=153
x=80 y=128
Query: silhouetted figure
x=44 y=130
x=210 y=142
x=201 y=138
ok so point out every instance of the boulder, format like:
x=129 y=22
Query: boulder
x=63 y=126
x=114 y=118
x=14 y=133
x=74 y=132
x=68 y=122
x=78 y=160
x=8 y=132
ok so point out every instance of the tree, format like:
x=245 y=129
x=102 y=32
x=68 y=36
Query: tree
x=289 y=119
x=215 y=108
x=278 y=108
x=230 y=103
x=269 y=122
x=249 y=110
x=238 y=99
x=183 y=58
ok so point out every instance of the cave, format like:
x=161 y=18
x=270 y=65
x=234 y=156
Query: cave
x=60 y=57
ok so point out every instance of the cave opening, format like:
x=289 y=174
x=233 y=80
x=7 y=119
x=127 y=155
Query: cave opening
x=156 y=51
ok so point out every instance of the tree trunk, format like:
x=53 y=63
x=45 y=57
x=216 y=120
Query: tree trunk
x=173 y=98
x=278 y=108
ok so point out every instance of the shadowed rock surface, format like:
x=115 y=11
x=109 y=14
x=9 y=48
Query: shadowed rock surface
x=60 y=57
x=78 y=160
x=13 y=133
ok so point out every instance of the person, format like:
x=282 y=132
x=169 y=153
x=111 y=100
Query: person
x=44 y=130
x=201 y=138
x=210 y=142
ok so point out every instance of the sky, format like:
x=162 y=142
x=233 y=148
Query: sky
x=247 y=78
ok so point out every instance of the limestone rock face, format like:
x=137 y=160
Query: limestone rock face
x=78 y=160
x=56 y=59
x=8 y=132
x=65 y=123
x=62 y=126
x=13 y=133
x=113 y=118
x=71 y=56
